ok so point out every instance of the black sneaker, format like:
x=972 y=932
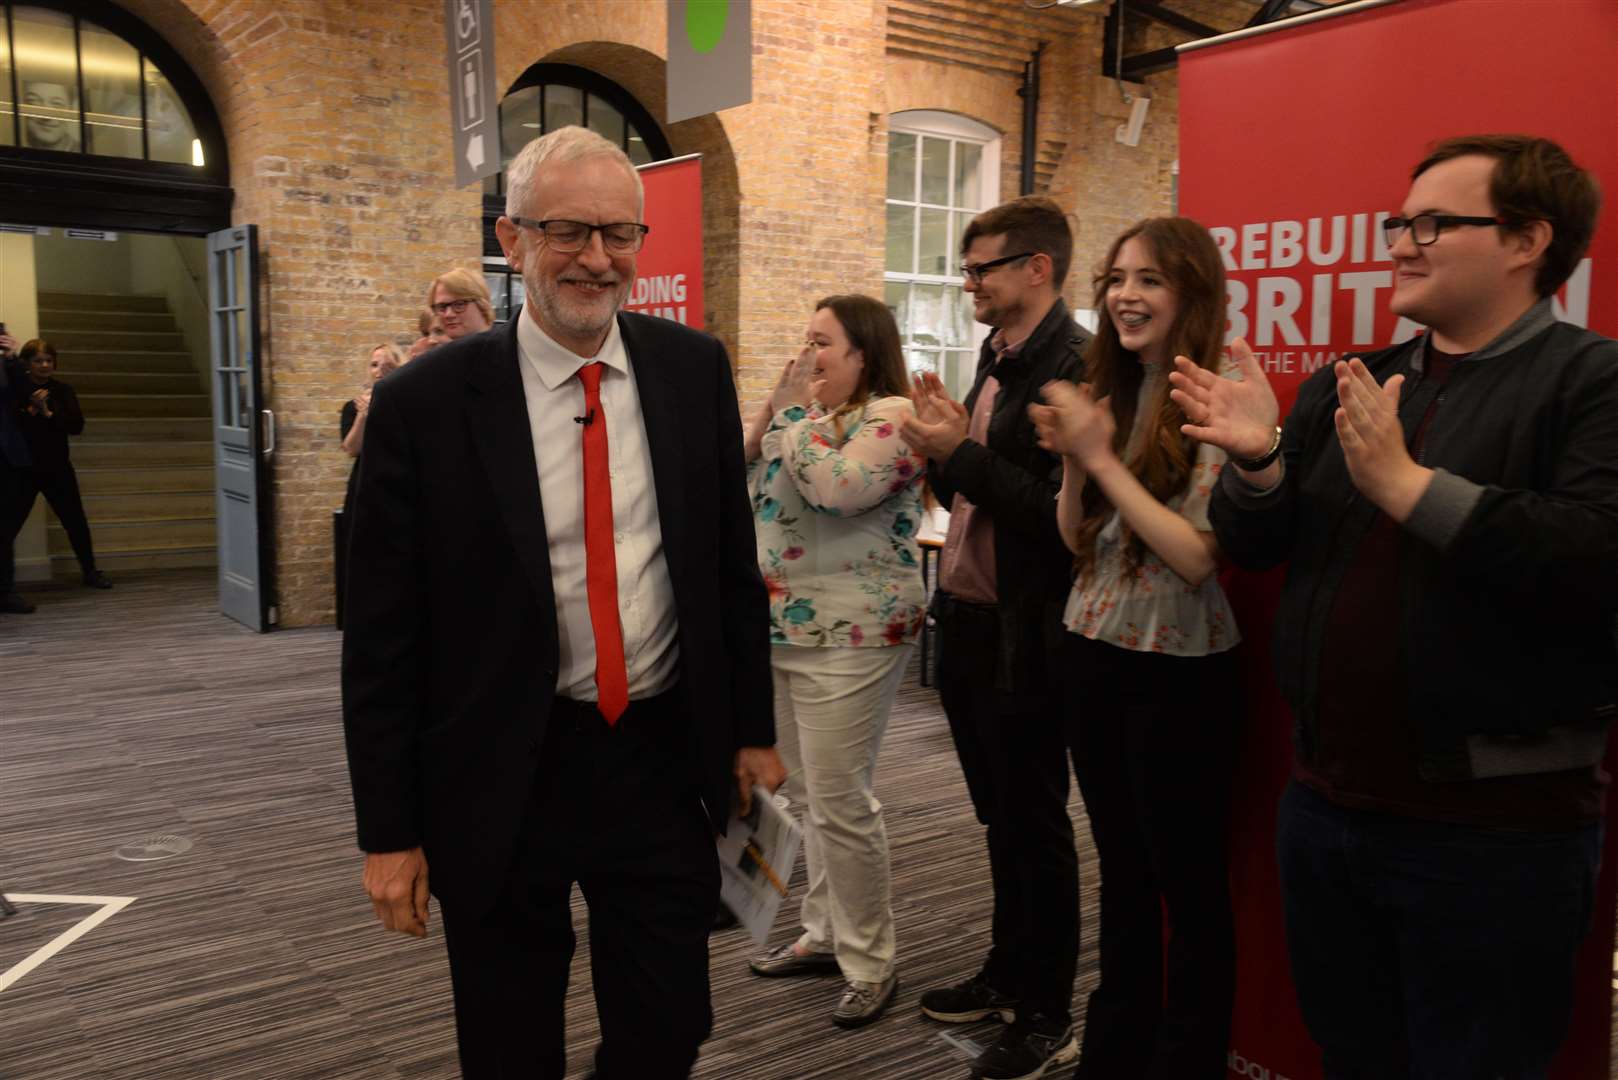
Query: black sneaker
x=1026 y=1049
x=972 y=1000
x=12 y=604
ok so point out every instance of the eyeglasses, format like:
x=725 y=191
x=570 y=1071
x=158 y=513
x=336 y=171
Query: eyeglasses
x=1425 y=228
x=447 y=306
x=566 y=237
x=975 y=271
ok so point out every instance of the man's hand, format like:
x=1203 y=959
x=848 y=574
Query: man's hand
x=396 y=882
x=1074 y=424
x=1373 y=441
x=939 y=424
x=8 y=344
x=757 y=765
x=1237 y=416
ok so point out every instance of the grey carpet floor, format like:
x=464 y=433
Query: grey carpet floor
x=255 y=955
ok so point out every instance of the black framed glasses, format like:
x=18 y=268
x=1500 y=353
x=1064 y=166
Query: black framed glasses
x=1425 y=228
x=975 y=271
x=566 y=237
x=445 y=306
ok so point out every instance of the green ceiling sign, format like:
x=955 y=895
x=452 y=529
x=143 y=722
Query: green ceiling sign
x=705 y=23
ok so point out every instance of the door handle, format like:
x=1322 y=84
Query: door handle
x=267 y=417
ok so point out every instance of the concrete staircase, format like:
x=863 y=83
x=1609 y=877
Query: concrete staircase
x=145 y=460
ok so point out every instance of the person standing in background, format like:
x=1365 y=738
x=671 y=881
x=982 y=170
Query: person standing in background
x=48 y=412
x=460 y=300
x=1003 y=577
x=837 y=506
x=1447 y=510
x=14 y=460
x=1150 y=632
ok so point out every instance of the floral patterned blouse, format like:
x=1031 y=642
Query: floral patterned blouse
x=1151 y=608
x=837 y=520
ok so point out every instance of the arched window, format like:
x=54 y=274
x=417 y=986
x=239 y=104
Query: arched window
x=93 y=102
x=942 y=170
x=547 y=97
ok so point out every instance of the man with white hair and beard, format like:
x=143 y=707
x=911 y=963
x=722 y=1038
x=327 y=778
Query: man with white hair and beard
x=556 y=661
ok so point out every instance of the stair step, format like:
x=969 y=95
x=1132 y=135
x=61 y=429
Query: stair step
x=150 y=479
x=126 y=536
x=72 y=301
x=56 y=321
x=66 y=567
x=133 y=406
x=124 y=360
x=135 y=382
x=72 y=342
x=131 y=506
x=91 y=455
x=146 y=429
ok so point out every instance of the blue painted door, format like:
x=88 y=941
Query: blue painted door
x=243 y=431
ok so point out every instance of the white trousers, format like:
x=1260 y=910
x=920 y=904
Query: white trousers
x=831 y=711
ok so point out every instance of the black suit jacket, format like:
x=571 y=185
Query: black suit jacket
x=450 y=649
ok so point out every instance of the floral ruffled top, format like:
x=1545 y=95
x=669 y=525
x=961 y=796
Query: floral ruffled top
x=1151 y=608
x=836 y=520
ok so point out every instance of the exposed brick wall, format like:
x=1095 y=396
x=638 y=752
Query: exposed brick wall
x=335 y=120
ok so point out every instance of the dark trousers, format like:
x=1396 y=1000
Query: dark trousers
x=616 y=811
x=60 y=486
x=1429 y=951
x=1011 y=750
x=1153 y=743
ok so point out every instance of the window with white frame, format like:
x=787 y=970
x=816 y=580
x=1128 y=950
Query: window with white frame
x=942 y=170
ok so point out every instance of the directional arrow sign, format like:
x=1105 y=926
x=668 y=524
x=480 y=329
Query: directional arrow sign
x=474 y=121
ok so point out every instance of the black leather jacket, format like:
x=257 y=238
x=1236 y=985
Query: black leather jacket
x=1016 y=483
x=1508 y=567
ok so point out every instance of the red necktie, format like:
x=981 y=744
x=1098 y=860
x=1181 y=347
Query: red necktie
x=600 y=556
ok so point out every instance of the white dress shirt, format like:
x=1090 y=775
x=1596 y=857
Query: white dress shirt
x=645 y=595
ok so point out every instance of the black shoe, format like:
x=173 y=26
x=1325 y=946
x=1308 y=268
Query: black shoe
x=972 y=1000
x=95 y=579
x=1026 y=1049
x=12 y=604
x=724 y=918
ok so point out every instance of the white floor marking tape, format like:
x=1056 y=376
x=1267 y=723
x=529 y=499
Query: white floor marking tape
x=109 y=906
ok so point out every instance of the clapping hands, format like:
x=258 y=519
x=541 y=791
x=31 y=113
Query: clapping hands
x=1073 y=423
x=1237 y=416
x=939 y=424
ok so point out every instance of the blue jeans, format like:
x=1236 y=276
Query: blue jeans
x=1430 y=951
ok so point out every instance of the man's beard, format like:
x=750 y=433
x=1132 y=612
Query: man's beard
x=569 y=318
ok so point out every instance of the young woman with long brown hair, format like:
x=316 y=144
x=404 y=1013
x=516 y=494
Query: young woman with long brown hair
x=1151 y=697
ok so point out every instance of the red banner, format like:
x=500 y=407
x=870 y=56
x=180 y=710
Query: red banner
x=669 y=284
x=1293 y=146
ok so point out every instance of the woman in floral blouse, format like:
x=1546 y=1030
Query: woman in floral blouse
x=837 y=504
x=1152 y=695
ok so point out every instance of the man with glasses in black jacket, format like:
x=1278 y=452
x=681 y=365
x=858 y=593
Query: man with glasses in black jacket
x=1003 y=578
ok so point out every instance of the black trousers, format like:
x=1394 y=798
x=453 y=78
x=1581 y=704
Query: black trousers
x=1015 y=761
x=19 y=488
x=616 y=811
x=1153 y=741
